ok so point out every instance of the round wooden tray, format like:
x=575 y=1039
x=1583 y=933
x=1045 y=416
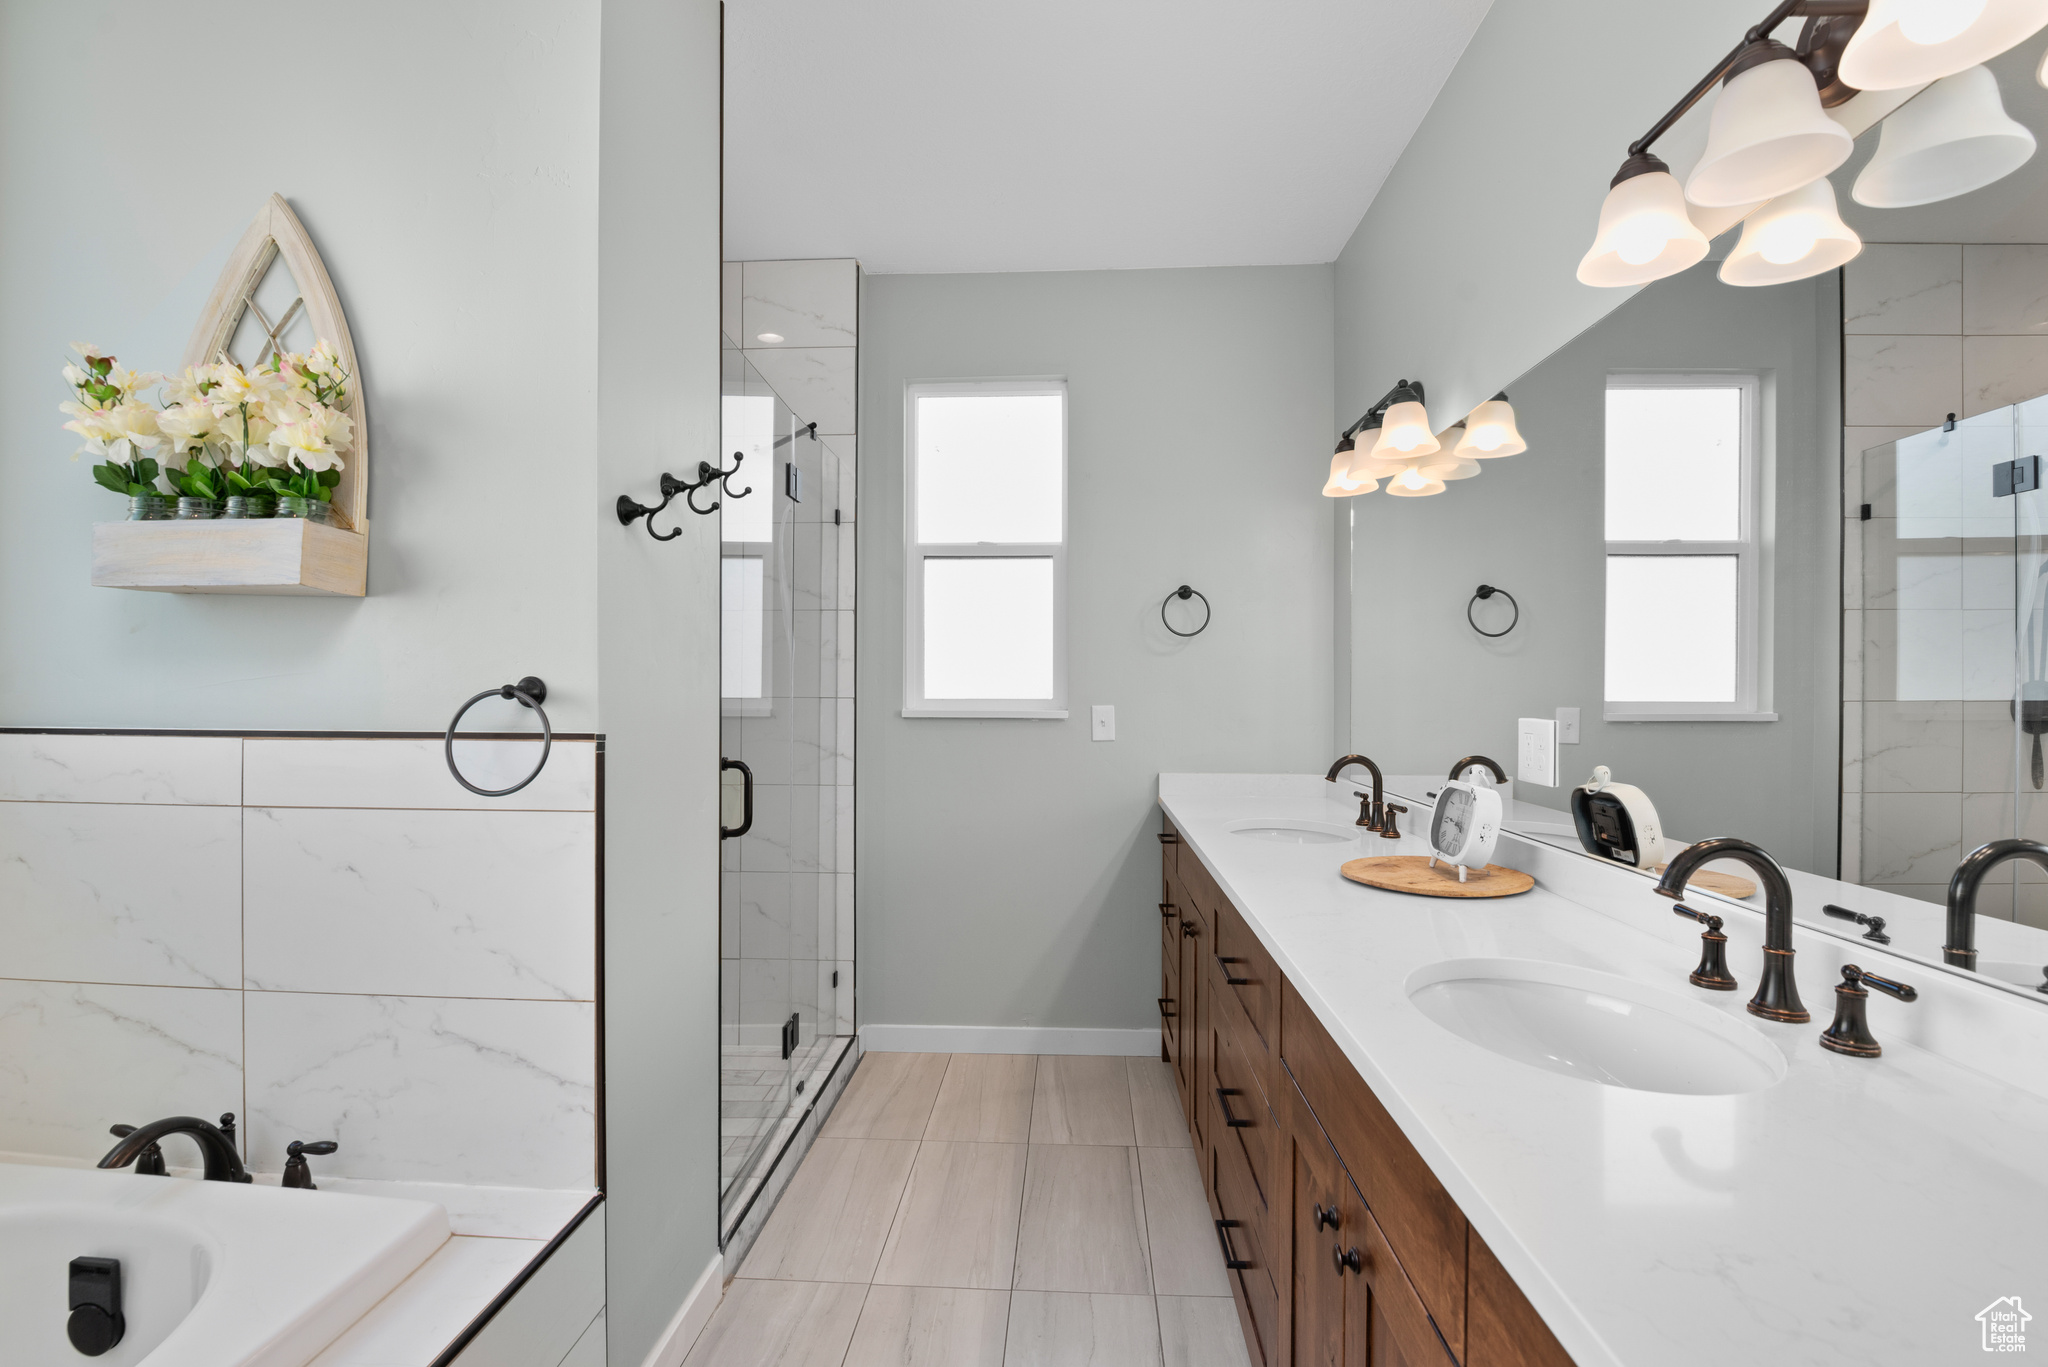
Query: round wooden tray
x=1412 y=873
x=1727 y=884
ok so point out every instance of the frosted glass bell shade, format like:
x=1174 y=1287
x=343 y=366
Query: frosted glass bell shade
x=1790 y=238
x=1909 y=42
x=1340 y=484
x=1412 y=483
x=1644 y=234
x=1952 y=138
x=1405 y=430
x=1768 y=135
x=1490 y=431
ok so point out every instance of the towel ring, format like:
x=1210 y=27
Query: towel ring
x=1184 y=593
x=1485 y=591
x=530 y=692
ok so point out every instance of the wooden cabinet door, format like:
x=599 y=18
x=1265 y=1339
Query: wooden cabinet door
x=1384 y=1322
x=1314 y=1236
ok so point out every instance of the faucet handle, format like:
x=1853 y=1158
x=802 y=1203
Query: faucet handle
x=1367 y=817
x=1850 y=1032
x=1875 y=934
x=1389 y=827
x=1712 y=923
x=296 y=1173
x=148 y=1163
x=1891 y=987
x=1712 y=972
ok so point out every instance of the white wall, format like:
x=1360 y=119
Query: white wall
x=1427 y=689
x=1008 y=868
x=444 y=158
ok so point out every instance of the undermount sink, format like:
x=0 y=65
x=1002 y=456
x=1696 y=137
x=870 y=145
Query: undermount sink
x=1596 y=1026
x=1287 y=831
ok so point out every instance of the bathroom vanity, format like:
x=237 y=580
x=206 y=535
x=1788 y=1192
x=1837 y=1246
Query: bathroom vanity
x=1509 y=1131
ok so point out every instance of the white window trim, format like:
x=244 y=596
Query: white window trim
x=763 y=551
x=915 y=553
x=1754 y=560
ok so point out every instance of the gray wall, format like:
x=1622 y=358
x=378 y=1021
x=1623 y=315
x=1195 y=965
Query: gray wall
x=657 y=616
x=1008 y=868
x=453 y=195
x=1462 y=271
x=1428 y=689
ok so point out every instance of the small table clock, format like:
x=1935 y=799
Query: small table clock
x=1466 y=824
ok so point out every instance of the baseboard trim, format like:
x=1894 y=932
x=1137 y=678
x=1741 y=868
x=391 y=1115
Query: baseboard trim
x=681 y=1335
x=1008 y=1039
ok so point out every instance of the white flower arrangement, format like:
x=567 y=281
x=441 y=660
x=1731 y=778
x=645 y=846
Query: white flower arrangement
x=278 y=428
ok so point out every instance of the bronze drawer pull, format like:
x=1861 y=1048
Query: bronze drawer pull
x=1348 y=1258
x=1168 y=838
x=1166 y=909
x=1325 y=1219
x=1188 y=929
x=1223 y=1095
x=1165 y=1002
x=1225 y=964
x=1230 y=1258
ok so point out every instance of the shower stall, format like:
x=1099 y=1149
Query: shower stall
x=787 y=613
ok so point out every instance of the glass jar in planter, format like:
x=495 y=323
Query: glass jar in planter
x=190 y=509
x=311 y=509
x=251 y=505
x=151 y=508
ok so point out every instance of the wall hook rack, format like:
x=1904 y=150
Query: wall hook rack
x=1480 y=595
x=1184 y=593
x=707 y=475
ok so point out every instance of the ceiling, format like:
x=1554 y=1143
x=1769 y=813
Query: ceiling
x=964 y=135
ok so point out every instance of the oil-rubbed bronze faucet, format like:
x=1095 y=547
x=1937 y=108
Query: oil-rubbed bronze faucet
x=1777 y=993
x=216 y=1146
x=1850 y=1033
x=1961 y=948
x=1373 y=815
x=1499 y=776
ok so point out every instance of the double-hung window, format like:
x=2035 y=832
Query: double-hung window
x=986 y=557
x=747 y=575
x=1687 y=601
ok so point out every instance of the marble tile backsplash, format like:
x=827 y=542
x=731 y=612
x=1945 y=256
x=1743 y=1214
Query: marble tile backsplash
x=329 y=937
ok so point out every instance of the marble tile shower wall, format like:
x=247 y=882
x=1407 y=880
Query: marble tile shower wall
x=788 y=891
x=1931 y=329
x=327 y=937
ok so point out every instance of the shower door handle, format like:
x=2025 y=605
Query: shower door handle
x=746 y=799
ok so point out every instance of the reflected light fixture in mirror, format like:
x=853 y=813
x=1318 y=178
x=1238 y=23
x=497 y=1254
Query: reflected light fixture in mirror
x=1490 y=431
x=1412 y=483
x=1906 y=42
x=1767 y=134
x=1952 y=138
x=1405 y=428
x=1790 y=238
x=1644 y=233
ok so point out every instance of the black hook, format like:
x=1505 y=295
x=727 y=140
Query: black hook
x=707 y=475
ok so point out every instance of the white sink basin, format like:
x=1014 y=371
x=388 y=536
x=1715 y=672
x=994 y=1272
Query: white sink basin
x=1596 y=1026
x=1287 y=831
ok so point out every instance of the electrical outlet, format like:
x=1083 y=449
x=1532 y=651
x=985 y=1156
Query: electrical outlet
x=1104 y=727
x=1536 y=751
x=1567 y=726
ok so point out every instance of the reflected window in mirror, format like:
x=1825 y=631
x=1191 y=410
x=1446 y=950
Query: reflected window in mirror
x=1686 y=607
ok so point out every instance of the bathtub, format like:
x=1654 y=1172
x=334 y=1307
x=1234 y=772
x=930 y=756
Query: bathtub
x=214 y=1274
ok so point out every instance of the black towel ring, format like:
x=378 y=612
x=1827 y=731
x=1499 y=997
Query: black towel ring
x=530 y=692
x=1487 y=591
x=1184 y=593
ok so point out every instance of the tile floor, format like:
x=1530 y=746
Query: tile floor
x=988 y=1210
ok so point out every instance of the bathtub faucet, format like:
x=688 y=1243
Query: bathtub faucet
x=216 y=1145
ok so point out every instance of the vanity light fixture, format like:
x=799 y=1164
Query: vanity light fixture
x=1790 y=238
x=1770 y=139
x=1412 y=483
x=1340 y=484
x=1490 y=431
x=1907 y=42
x=1768 y=134
x=1954 y=137
x=1405 y=427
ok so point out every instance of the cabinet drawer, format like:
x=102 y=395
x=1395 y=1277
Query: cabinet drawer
x=1244 y=1123
x=1248 y=980
x=1200 y=890
x=1420 y=1222
x=1239 y=1231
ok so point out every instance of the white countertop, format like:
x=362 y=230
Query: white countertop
x=1855 y=1212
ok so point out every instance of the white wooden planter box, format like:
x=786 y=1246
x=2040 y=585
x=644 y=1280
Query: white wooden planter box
x=258 y=555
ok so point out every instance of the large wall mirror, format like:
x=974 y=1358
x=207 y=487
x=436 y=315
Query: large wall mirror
x=1783 y=550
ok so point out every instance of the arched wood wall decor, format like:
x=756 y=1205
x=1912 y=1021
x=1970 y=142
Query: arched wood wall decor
x=276 y=233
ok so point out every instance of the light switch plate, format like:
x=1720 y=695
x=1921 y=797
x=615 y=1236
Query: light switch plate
x=1567 y=726
x=1104 y=726
x=1536 y=751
